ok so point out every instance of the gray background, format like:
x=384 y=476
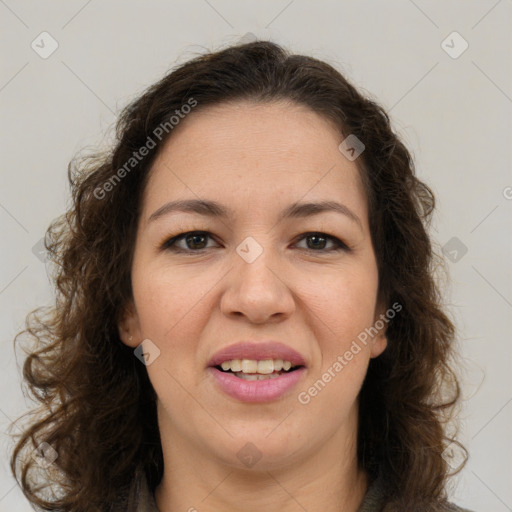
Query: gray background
x=453 y=113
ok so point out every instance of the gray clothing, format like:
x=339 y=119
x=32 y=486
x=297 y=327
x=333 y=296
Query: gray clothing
x=143 y=500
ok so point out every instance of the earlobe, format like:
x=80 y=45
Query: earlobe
x=379 y=344
x=380 y=340
x=128 y=326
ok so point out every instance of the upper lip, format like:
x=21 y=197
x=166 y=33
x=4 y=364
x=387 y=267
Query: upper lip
x=259 y=350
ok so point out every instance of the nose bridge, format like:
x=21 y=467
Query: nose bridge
x=250 y=250
x=257 y=262
x=256 y=289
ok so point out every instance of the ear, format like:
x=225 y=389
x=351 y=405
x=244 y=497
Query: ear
x=380 y=340
x=128 y=326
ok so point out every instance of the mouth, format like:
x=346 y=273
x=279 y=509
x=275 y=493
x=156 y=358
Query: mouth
x=254 y=370
x=257 y=371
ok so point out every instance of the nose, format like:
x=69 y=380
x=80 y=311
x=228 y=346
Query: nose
x=257 y=290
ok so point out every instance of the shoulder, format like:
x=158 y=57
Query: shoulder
x=375 y=497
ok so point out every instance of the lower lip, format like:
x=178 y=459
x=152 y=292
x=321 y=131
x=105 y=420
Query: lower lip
x=256 y=390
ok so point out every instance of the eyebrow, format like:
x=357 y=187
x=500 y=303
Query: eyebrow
x=214 y=209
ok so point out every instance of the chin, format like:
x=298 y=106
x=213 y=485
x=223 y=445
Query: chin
x=260 y=449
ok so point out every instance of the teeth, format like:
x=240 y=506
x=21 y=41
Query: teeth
x=266 y=367
x=255 y=376
x=249 y=366
x=251 y=376
x=252 y=366
x=235 y=365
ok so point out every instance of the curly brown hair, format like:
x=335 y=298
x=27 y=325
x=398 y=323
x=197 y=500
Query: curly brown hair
x=97 y=406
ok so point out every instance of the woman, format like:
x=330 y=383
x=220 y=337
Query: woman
x=247 y=316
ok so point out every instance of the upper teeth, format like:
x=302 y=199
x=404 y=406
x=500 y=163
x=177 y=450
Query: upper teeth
x=264 y=367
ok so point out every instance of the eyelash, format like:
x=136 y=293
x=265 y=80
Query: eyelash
x=170 y=243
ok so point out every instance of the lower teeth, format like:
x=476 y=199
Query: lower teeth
x=256 y=376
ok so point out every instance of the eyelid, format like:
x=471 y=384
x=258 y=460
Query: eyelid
x=322 y=234
x=339 y=245
x=169 y=243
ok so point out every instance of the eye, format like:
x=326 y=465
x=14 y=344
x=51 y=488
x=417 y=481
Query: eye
x=194 y=241
x=317 y=241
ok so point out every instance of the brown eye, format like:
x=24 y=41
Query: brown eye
x=192 y=241
x=196 y=241
x=316 y=242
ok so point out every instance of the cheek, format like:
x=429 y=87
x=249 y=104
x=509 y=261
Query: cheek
x=173 y=321
x=168 y=301
x=172 y=315
x=342 y=304
x=342 y=309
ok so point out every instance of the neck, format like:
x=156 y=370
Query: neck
x=327 y=479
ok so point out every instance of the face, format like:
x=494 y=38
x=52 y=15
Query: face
x=299 y=287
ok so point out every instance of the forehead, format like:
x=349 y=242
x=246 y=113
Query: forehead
x=253 y=155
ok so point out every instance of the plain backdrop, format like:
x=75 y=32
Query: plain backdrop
x=442 y=69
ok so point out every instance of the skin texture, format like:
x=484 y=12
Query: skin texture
x=256 y=159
